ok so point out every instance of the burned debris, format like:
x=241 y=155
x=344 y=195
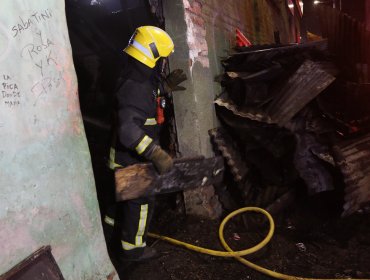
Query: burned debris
x=352 y=158
x=293 y=116
x=142 y=179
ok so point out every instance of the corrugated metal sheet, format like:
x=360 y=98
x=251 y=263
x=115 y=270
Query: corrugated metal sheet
x=353 y=159
x=225 y=145
x=307 y=83
x=302 y=87
x=224 y=101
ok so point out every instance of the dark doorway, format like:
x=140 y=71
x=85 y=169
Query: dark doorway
x=99 y=31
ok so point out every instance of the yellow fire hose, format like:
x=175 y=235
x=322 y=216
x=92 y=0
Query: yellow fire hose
x=238 y=254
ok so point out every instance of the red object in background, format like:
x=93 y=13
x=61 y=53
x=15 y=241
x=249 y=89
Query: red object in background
x=290 y=6
x=160 y=111
x=295 y=3
x=241 y=40
x=354 y=129
x=297 y=36
x=299 y=7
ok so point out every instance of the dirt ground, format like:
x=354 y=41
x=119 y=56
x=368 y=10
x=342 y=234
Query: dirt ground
x=311 y=240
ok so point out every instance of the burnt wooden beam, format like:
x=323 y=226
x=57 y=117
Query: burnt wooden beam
x=142 y=180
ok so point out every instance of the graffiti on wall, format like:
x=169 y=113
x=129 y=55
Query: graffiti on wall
x=44 y=157
x=39 y=50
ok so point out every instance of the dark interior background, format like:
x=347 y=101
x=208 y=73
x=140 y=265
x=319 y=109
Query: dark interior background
x=99 y=31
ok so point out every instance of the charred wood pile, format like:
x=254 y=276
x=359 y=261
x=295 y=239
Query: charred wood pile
x=295 y=116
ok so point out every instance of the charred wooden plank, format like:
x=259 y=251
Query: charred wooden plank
x=142 y=180
x=353 y=159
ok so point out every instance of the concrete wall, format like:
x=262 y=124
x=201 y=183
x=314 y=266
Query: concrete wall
x=47 y=190
x=203 y=33
x=194 y=115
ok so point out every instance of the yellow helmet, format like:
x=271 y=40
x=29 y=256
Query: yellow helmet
x=148 y=44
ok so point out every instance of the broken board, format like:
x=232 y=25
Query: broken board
x=140 y=180
x=40 y=265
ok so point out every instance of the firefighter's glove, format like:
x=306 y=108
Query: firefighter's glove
x=172 y=81
x=161 y=160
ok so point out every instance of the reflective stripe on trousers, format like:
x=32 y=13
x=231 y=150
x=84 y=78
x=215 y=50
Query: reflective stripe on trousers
x=108 y=220
x=140 y=230
x=112 y=157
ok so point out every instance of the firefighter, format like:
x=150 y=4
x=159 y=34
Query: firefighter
x=137 y=135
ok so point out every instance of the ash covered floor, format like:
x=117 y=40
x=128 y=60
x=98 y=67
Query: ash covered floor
x=310 y=240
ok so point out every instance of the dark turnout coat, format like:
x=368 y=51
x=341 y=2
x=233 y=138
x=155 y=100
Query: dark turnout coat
x=136 y=126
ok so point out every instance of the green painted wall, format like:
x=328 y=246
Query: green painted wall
x=47 y=189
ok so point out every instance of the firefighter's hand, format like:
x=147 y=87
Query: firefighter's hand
x=161 y=160
x=172 y=81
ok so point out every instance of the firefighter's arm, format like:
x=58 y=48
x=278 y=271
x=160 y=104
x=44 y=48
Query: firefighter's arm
x=133 y=137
